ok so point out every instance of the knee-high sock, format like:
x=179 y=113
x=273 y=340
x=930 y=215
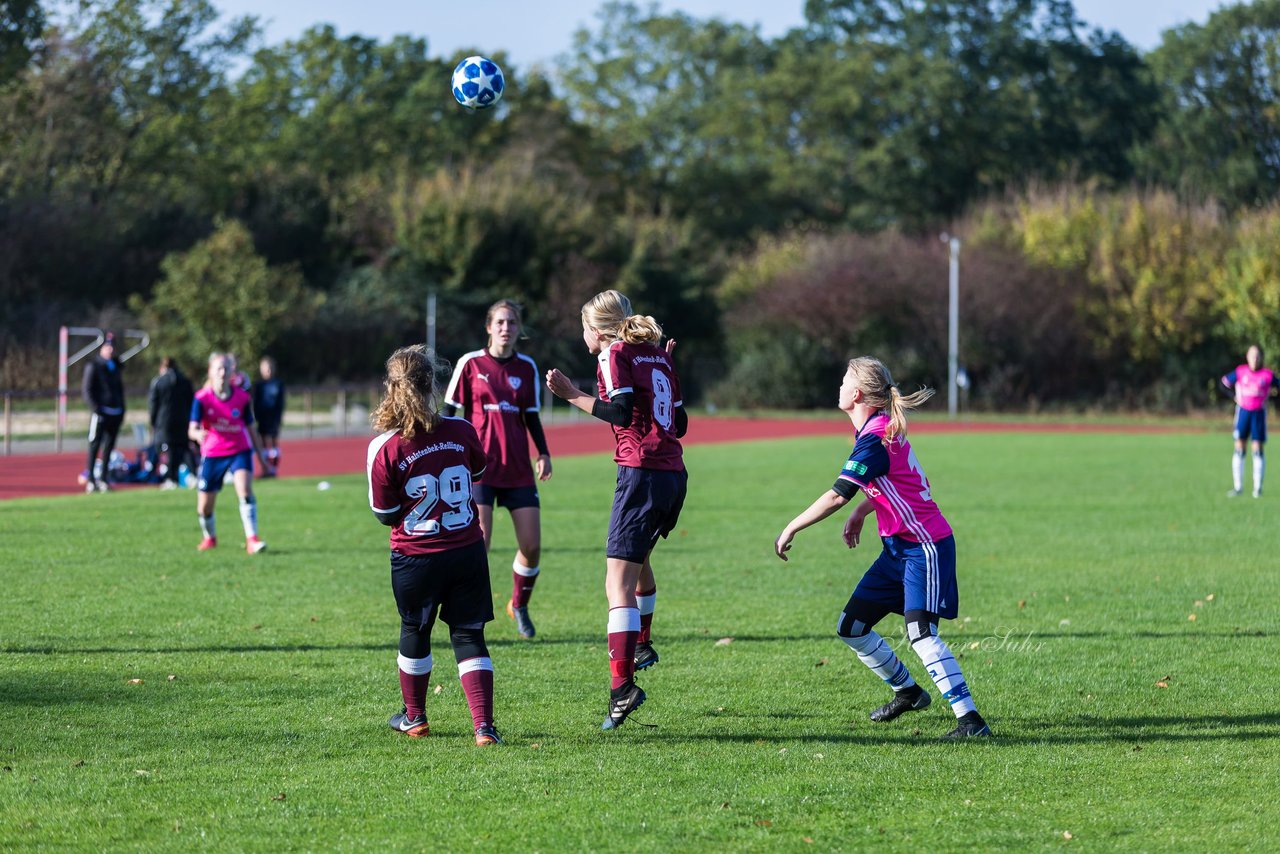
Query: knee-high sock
x=1259 y=469
x=415 y=675
x=941 y=664
x=645 y=602
x=476 y=676
x=879 y=656
x=249 y=516
x=522 y=580
x=1237 y=470
x=624 y=629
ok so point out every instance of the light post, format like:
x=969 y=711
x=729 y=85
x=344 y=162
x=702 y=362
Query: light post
x=953 y=322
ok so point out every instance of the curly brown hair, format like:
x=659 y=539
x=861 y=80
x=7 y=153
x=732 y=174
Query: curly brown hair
x=410 y=403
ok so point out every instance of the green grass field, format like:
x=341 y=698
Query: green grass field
x=259 y=720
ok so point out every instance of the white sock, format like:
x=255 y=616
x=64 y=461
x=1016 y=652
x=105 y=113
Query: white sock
x=646 y=604
x=1237 y=470
x=1259 y=468
x=941 y=664
x=249 y=516
x=206 y=526
x=879 y=656
x=520 y=569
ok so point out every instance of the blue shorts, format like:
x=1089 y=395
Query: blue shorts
x=214 y=469
x=911 y=576
x=510 y=497
x=646 y=506
x=1250 y=424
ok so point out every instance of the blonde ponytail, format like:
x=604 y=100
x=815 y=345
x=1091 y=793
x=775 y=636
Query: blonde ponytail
x=880 y=392
x=609 y=313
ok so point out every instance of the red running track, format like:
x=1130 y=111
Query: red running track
x=28 y=475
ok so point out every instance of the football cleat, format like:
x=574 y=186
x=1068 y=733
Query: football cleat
x=623 y=700
x=1233 y=493
x=90 y=487
x=487 y=735
x=101 y=486
x=1257 y=493
x=911 y=699
x=207 y=543
x=969 y=726
x=524 y=626
x=646 y=656
x=415 y=727
x=254 y=545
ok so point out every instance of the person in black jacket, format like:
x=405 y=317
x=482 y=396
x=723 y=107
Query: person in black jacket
x=104 y=392
x=169 y=405
x=268 y=408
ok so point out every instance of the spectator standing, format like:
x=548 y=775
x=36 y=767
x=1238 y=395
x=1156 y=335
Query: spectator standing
x=103 y=390
x=169 y=405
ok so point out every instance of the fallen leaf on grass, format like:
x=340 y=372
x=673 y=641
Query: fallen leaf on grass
x=1162 y=684
x=1022 y=603
x=79 y=763
x=279 y=797
x=141 y=773
x=821 y=662
x=1066 y=834
x=535 y=746
x=807 y=839
x=173 y=677
x=136 y=682
x=1199 y=603
x=257 y=626
x=724 y=641
x=725 y=805
x=1191 y=617
x=439 y=688
x=764 y=822
x=1209 y=598
x=975 y=645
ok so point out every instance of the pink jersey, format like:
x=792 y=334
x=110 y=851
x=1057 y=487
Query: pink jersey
x=427 y=481
x=225 y=422
x=645 y=370
x=495 y=395
x=892 y=478
x=1251 y=387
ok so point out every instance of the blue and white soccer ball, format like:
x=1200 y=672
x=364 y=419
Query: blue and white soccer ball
x=478 y=83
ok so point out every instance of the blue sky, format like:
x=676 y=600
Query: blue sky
x=535 y=31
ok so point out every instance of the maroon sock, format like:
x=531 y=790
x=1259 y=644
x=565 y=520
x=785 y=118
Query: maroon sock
x=476 y=675
x=414 y=690
x=521 y=588
x=624 y=629
x=646 y=619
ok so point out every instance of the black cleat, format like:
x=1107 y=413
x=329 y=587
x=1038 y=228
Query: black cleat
x=415 y=727
x=524 y=625
x=487 y=735
x=970 y=725
x=911 y=699
x=646 y=656
x=622 y=701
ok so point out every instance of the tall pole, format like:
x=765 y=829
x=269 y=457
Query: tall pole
x=431 y=323
x=953 y=327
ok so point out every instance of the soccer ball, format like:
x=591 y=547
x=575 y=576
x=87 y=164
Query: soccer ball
x=478 y=83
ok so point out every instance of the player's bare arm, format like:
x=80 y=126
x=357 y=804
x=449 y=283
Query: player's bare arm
x=826 y=504
x=853 y=525
x=562 y=387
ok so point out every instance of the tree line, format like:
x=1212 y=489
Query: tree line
x=775 y=203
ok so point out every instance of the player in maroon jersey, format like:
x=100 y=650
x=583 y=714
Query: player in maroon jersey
x=640 y=398
x=420 y=473
x=499 y=390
